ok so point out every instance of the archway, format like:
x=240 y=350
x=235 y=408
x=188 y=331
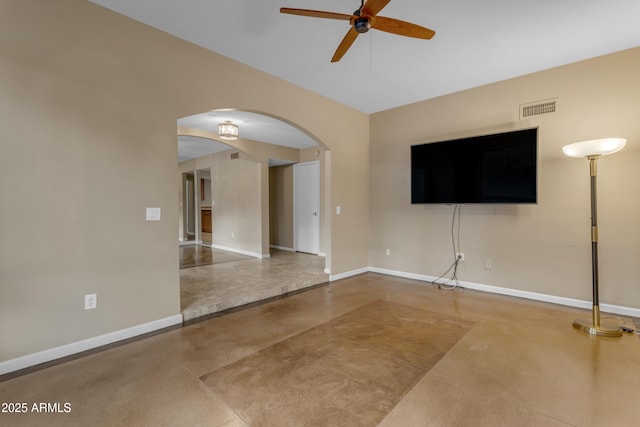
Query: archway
x=240 y=178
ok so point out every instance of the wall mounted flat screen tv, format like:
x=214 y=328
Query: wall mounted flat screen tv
x=497 y=168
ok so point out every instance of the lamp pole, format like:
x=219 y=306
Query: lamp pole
x=593 y=168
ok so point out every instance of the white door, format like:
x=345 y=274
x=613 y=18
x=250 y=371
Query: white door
x=306 y=207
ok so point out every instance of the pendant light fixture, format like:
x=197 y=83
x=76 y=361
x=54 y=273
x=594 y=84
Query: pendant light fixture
x=228 y=131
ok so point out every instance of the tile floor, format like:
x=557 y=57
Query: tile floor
x=218 y=280
x=199 y=255
x=364 y=351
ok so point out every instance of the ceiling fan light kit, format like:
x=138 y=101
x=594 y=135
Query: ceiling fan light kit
x=362 y=20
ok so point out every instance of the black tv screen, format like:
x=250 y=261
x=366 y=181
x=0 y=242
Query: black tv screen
x=498 y=168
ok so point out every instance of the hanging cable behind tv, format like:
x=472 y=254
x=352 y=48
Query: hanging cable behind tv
x=451 y=281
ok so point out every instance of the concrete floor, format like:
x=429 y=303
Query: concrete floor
x=370 y=350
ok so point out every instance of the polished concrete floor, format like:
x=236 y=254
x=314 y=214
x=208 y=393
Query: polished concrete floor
x=370 y=350
x=212 y=280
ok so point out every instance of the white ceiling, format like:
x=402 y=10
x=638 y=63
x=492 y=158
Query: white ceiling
x=476 y=42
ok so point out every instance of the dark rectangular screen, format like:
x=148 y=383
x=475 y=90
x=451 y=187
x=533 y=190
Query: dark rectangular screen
x=498 y=168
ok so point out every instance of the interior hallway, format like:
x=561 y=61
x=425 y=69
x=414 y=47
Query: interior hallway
x=212 y=280
x=364 y=351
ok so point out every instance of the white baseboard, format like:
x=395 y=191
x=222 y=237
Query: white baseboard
x=112 y=337
x=88 y=344
x=571 y=302
x=241 y=251
x=282 y=248
x=346 y=274
x=285 y=248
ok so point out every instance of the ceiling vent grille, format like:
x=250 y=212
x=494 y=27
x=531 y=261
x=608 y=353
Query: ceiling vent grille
x=537 y=108
x=234 y=156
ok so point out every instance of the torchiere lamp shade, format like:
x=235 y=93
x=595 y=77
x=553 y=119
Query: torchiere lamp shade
x=594 y=147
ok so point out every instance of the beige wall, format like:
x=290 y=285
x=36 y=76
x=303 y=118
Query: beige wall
x=543 y=248
x=89 y=106
x=235 y=192
x=236 y=214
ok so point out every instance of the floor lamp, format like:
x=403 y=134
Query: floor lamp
x=592 y=150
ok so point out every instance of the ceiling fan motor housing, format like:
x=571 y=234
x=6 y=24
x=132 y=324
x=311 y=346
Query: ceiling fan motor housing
x=362 y=25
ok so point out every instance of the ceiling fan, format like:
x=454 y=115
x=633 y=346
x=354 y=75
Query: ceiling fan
x=363 y=19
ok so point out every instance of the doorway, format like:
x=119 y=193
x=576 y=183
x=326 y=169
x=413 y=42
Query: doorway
x=306 y=207
x=188 y=207
x=205 y=207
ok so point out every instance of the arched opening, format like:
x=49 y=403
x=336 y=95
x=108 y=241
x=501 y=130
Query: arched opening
x=244 y=191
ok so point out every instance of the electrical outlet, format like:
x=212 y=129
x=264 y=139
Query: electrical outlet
x=487 y=263
x=388 y=251
x=90 y=301
x=460 y=256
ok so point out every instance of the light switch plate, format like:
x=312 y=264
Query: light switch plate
x=153 y=214
x=90 y=301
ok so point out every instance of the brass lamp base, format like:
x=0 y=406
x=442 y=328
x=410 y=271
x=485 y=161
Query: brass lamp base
x=605 y=330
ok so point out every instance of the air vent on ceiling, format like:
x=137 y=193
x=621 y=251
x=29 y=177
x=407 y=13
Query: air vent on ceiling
x=235 y=155
x=537 y=108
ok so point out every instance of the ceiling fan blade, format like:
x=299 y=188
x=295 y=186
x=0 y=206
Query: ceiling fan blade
x=315 y=13
x=402 y=28
x=345 y=44
x=373 y=7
